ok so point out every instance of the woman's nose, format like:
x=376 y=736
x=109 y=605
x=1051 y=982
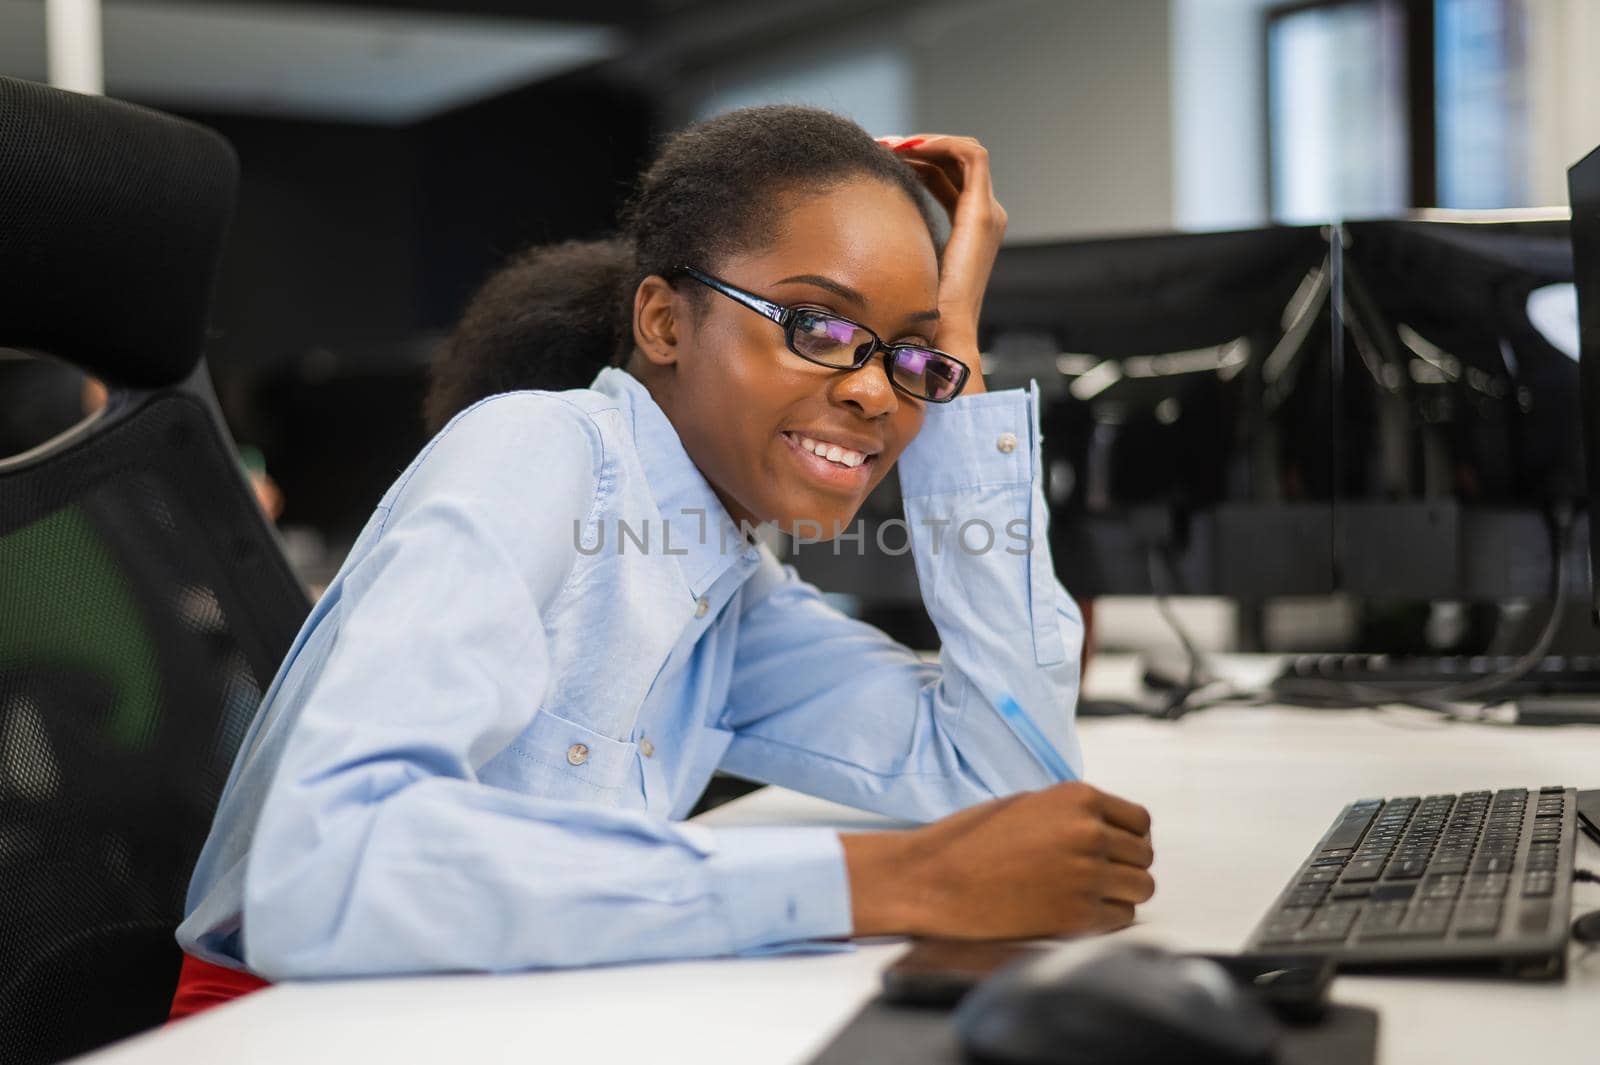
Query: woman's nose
x=867 y=389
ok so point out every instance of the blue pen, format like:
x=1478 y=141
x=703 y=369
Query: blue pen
x=1035 y=740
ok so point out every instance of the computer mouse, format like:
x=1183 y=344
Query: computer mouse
x=1118 y=1004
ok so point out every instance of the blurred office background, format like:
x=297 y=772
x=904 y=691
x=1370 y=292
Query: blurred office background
x=395 y=152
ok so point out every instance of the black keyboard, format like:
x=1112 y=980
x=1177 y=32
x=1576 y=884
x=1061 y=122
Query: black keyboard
x=1477 y=879
x=1554 y=675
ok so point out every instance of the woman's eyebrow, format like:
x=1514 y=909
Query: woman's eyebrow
x=848 y=293
x=842 y=291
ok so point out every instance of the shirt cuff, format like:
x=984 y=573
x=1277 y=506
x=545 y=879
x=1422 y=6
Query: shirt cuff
x=987 y=439
x=780 y=886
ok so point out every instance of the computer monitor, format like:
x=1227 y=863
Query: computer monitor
x=1207 y=409
x=1583 y=185
x=1459 y=434
x=1186 y=406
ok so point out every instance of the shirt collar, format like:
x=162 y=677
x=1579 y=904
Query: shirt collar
x=695 y=521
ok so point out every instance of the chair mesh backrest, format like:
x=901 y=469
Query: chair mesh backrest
x=144 y=607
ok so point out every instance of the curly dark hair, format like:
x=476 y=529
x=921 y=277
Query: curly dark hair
x=553 y=316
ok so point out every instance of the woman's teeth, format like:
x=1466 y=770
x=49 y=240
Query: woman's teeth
x=832 y=452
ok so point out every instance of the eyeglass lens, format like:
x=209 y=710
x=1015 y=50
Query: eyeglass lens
x=924 y=373
x=829 y=340
x=837 y=342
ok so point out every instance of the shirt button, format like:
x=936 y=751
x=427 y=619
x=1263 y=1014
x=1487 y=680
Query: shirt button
x=577 y=754
x=701 y=607
x=647 y=748
x=1007 y=443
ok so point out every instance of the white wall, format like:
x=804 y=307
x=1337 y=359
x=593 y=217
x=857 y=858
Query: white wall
x=867 y=79
x=1564 y=96
x=1072 y=98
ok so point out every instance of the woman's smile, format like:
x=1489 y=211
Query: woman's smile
x=830 y=463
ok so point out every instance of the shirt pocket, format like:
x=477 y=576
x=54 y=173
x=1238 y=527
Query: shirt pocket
x=555 y=758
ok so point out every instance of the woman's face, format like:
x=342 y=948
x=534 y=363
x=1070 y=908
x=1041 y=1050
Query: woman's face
x=750 y=412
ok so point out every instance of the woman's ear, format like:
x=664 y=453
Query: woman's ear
x=657 y=321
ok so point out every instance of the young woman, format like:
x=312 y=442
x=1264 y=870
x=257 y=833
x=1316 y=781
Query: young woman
x=557 y=623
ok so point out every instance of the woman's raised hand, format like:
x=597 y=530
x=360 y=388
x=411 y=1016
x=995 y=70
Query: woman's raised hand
x=956 y=171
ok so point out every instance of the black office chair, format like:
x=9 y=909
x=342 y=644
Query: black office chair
x=145 y=603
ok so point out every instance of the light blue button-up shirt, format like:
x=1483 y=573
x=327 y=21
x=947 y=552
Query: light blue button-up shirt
x=480 y=747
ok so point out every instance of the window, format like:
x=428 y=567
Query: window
x=1480 y=56
x=1378 y=106
x=1337 y=111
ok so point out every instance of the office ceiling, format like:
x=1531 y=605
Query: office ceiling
x=370 y=61
x=323 y=61
x=394 y=62
x=618 y=13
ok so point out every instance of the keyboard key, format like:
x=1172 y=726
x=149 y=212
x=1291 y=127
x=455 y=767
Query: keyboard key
x=1491 y=886
x=1283 y=925
x=1306 y=896
x=1538 y=885
x=1478 y=918
x=1409 y=869
x=1359 y=871
x=1350 y=827
x=1331 y=924
x=1382 y=919
x=1534 y=917
x=1429 y=919
x=1351 y=891
x=1389 y=891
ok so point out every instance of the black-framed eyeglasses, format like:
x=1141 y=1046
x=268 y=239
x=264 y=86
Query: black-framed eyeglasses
x=829 y=339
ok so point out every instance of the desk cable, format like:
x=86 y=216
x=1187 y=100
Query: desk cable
x=1586 y=929
x=1180 y=698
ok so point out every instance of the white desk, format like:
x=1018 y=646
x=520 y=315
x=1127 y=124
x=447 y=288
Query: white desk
x=1238 y=798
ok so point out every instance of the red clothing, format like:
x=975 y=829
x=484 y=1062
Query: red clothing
x=202 y=985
